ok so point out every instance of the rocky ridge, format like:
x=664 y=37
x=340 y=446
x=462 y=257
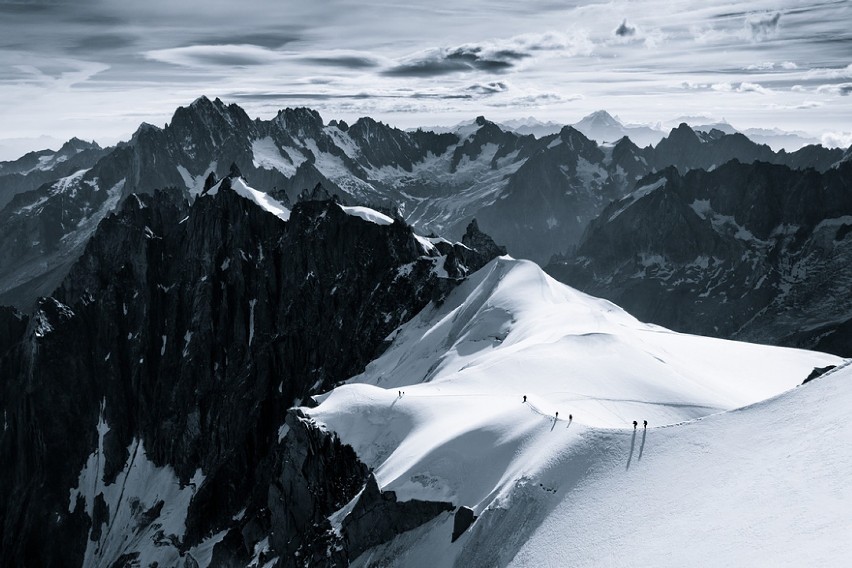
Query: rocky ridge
x=146 y=401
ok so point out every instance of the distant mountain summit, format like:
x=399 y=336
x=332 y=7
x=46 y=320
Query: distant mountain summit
x=604 y=128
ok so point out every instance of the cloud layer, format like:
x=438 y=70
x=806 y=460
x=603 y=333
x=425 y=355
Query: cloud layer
x=95 y=68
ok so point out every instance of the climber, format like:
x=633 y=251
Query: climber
x=557 y=416
x=644 y=423
x=570 y=417
x=635 y=424
x=525 y=398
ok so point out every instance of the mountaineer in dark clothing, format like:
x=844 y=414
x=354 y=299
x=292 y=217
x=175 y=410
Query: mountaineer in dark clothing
x=644 y=423
x=635 y=424
x=525 y=398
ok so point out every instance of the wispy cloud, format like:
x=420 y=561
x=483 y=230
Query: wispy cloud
x=438 y=62
x=342 y=59
x=494 y=56
x=842 y=89
x=744 y=87
x=203 y=56
x=488 y=88
x=800 y=106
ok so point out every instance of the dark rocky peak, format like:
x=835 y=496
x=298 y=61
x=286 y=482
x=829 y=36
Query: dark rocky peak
x=815 y=156
x=487 y=130
x=625 y=146
x=75 y=146
x=683 y=134
x=710 y=135
x=474 y=251
x=627 y=157
x=300 y=122
x=578 y=143
x=382 y=145
x=318 y=193
x=214 y=116
x=209 y=182
x=476 y=239
x=343 y=125
x=487 y=133
x=682 y=148
x=145 y=131
x=234 y=171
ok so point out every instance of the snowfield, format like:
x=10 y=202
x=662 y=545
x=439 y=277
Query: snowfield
x=727 y=473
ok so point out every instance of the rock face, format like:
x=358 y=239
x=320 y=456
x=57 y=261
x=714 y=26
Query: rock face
x=376 y=517
x=145 y=402
x=756 y=252
x=461 y=522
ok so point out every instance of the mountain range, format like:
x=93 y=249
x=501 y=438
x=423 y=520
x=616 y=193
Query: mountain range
x=536 y=195
x=238 y=342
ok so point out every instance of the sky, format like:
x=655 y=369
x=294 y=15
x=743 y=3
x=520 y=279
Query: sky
x=96 y=69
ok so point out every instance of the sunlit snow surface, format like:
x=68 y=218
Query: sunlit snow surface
x=587 y=491
x=263 y=200
x=367 y=214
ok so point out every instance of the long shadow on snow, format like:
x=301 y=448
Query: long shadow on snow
x=632 y=445
x=502 y=528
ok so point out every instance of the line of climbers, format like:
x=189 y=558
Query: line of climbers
x=571 y=417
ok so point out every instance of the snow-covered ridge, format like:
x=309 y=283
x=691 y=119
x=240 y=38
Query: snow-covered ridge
x=261 y=199
x=367 y=214
x=516 y=397
x=484 y=375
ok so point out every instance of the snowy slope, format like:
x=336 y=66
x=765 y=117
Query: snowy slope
x=763 y=486
x=261 y=199
x=553 y=490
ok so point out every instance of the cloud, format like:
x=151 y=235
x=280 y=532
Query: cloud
x=837 y=139
x=465 y=58
x=495 y=56
x=534 y=100
x=762 y=26
x=769 y=66
x=744 y=87
x=488 y=88
x=102 y=42
x=801 y=106
x=842 y=89
x=343 y=59
x=830 y=73
x=625 y=29
x=214 y=55
x=270 y=40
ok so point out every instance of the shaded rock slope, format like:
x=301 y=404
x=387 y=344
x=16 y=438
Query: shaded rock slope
x=757 y=252
x=145 y=402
